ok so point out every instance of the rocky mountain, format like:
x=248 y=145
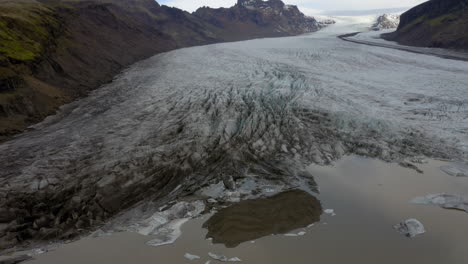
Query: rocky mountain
x=386 y=21
x=257 y=18
x=436 y=23
x=53 y=51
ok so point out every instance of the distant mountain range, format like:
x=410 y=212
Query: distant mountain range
x=365 y=12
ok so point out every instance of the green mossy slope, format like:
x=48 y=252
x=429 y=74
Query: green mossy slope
x=25 y=30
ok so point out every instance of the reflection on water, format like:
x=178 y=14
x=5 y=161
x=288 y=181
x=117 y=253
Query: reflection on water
x=252 y=219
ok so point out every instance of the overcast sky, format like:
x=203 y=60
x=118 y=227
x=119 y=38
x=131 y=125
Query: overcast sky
x=307 y=6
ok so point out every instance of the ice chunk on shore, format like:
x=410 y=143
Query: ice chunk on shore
x=166 y=225
x=330 y=212
x=447 y=201
x=213 y=190
x=410 y=227
x=223 y=258
x=190 y=256
x=168 y=234
x=301 y=233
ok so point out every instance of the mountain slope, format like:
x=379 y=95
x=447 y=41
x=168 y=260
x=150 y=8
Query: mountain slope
x=436 y=23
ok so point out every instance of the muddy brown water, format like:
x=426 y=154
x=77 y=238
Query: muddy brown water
x=252 y=219
x=368 y=196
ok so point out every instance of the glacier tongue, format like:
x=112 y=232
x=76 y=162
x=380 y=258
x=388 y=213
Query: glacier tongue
x=265 y=107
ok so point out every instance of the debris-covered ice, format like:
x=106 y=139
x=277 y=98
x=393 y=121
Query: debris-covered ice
x=409 y=165
x=191 y=256
x=223 y=258
x=447 y=201
x=263 y=108
x=410 y=227
x=15 y=259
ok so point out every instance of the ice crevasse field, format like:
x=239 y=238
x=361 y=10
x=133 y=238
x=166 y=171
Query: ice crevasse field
x=263 y=106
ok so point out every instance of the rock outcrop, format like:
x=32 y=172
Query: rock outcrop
x=436 y=23
x=386 y=21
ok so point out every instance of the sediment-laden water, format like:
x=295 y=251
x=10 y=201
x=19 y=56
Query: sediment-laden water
x=368 y=198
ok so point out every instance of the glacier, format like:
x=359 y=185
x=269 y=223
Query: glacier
x=266 y=108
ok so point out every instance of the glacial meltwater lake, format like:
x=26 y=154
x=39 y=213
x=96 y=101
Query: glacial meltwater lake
x=368 y=198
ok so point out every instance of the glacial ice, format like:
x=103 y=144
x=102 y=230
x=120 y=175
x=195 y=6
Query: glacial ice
x=165 y=226
x=259 y=109
x=223 y=258
x=447 y=201
x=330 y=212
x=190 y=256
x=456 y=169
x=410 y=227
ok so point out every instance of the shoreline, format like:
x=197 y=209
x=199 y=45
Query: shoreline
x=441 y=53
x=382 y=197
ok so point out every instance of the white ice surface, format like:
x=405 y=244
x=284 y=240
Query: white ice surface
x=190 y=256
x=330 y=212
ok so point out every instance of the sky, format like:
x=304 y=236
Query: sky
x=309 y=7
